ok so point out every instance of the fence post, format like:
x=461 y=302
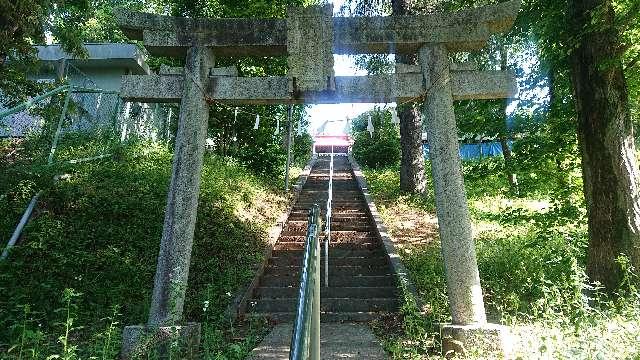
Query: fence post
x=54 y=145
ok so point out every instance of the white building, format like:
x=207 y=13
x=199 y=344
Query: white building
x=101 y=69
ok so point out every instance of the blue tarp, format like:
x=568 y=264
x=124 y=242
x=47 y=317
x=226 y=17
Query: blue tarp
x=476 y=151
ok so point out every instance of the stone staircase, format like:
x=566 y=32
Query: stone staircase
x=362 y=284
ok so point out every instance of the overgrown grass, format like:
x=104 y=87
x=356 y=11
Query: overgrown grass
x=84 y=267
x=531 y=255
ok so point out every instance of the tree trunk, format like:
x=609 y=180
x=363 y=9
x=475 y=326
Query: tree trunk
x=504 y=135
x=508 y=161
x=412 y=160
x=605 y=135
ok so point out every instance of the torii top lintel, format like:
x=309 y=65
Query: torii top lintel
x=459 y=31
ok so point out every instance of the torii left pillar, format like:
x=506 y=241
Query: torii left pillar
x=165 y=315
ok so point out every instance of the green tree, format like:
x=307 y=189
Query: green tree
x=605 y=133
x=26 y=23
x=590 y=49
x=412 y=160
x=260 y=149
x=378 y=149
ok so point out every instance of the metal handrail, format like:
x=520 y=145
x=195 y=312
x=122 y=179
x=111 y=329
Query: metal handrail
x=29 y=103
x=305 y=342
x=69 y=89
x=21 y=224
x=327 y=229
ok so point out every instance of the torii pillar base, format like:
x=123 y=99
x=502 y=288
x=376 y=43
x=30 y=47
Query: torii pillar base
x=486 y=340
x=182 y=342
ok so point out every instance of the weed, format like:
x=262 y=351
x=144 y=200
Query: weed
x=531 y=255
x=98 y=230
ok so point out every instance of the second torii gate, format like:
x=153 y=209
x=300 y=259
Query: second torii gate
x=309 y=37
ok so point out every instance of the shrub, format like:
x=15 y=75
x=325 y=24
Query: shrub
x=302 y=149
x=267 y=159
x=383 y=148
x=98 y=232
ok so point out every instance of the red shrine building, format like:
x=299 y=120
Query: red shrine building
x=323 y=144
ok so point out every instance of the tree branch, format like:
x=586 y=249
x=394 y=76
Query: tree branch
x=632 y=63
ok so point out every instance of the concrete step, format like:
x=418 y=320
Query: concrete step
x=338 y=212
x=323 y=192
x=338 y=184
x=336 y=228
x=335 y=208
x=339 y=224
x=327 y=352
x=356 y=244
x=337 y=201
x=270 y=280
x=335 y=253
x=266 y=305
x=330 y=292
x=337 y=237
x=336 y=225
x=317 y=181
x=335 y=218
x=346 y=226
x=357 y=210
x=333 y=261
x=325 y=317
x=333 y=270
x=337 y=341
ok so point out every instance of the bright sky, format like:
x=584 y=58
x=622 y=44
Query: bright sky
x=337 y=114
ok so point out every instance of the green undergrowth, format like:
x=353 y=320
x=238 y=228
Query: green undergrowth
x=84 y=266
x=531 y=252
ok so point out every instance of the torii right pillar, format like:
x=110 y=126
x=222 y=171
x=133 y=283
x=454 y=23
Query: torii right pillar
x=469 y=328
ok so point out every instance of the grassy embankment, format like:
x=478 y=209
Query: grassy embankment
x=531 y=255
x=84 y=267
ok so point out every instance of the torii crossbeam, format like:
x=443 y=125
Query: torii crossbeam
x=309 y=37
x=384 y=88
x=461 y=31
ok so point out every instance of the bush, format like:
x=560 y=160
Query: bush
x=302 y=149
x=268 y=159
x=98 y=233
x=383 y=148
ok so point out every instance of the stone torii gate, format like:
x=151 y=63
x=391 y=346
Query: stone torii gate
x=309 y=37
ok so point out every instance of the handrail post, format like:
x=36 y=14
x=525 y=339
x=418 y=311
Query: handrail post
x=23 y=221
x=305 y=342
x=328 y=222
x=315 y=324
x=27 y=104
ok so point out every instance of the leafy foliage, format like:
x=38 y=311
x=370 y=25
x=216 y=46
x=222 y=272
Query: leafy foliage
x=95 y=228
x=302 y=149
x=380 y=149
x=264 y=149
x=531 y=256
